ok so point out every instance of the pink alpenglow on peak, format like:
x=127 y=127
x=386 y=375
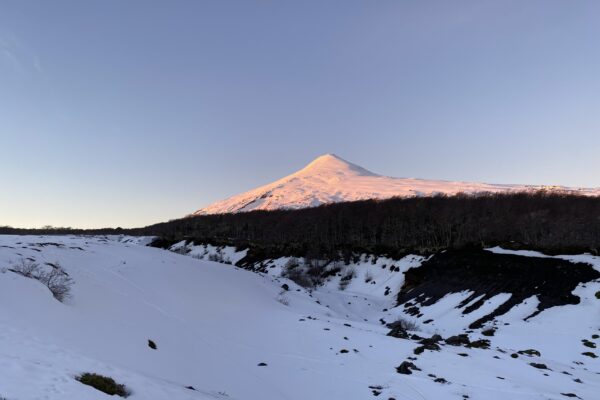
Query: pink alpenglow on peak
x=331 y=179
x=330 y=164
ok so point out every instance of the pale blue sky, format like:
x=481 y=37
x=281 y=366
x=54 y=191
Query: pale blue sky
x=126 y=113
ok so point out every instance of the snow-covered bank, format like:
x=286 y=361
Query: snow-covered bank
x=214 y=324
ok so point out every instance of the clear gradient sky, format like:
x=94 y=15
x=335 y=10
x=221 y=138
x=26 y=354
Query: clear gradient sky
x=126 y=113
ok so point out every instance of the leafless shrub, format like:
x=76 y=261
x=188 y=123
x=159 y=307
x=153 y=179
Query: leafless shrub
x=405 y=324
x=282 y=298
x=297 y=273
x=183 y=249
x=346 y=278
x=54 y=277
x=309 y=273
x=216 y=257
x=291 y=263
x=58 y=282
x=299 y=276
x=27 y=268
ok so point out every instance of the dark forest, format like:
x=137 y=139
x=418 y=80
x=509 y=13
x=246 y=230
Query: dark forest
x=553 y=223
x=549 y=222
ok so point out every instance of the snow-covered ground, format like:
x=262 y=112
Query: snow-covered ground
x=214 y=323
x=330 y=179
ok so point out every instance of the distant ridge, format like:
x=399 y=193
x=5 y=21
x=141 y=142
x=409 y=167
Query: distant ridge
x=331 y=179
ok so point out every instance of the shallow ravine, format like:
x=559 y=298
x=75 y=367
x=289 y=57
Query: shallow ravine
x=215 y=325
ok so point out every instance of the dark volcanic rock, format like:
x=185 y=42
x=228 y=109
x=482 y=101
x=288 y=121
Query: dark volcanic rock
x=398 y=332
x=530 y=352
x=588 y=343
x=412 y=311
x=538 y=365
x=487 y=274
x=480 y=344
x=426 y=346
x=431 y=343
x=406 y=368
x=436 y=338
x=458 y=340
x=398 y=329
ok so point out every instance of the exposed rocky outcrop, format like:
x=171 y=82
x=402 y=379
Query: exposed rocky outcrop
x=486 y=274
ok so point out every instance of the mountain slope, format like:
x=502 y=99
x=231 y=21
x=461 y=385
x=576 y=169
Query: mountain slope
x=330 y=179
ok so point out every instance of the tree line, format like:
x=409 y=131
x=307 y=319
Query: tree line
x=546 y=221
x=549 y=222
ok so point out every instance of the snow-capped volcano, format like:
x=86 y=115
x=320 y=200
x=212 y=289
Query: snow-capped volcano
x=331 y=179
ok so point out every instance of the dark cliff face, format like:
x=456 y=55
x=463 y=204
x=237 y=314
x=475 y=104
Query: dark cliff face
x=487 y=274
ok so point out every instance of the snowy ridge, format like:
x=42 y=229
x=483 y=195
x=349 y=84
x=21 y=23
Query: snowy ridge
x=330 y=179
